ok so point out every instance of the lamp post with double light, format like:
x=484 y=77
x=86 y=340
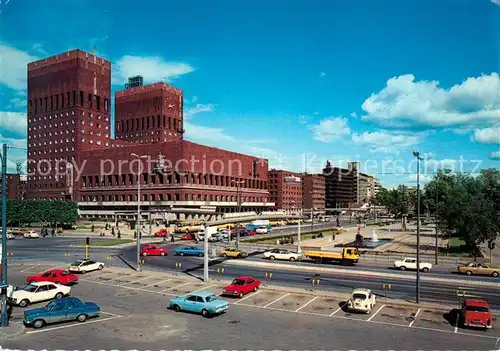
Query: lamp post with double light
x=138 y=225
x=238 y=204
x=419 y=158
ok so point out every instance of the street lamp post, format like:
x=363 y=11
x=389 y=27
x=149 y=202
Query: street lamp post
x=296 y=181
x=138 y=225
x=5 y=318
x=419 y=158
x=238 y=205
x=436 y=233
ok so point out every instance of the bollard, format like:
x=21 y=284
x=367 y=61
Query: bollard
x=386 y=287
x=109 y=258
x=142 y=261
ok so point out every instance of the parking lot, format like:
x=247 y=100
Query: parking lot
x=129 y=297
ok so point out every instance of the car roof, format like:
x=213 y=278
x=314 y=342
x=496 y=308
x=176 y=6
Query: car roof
x=203 y=293
x=54 y=271
x=41 y=283
x=361 y=290
x=244 y=277
x=475 y=302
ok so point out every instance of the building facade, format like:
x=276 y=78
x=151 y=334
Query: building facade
x=16 y=186
x=313 y=191
x=72 y=155
x=285 y=194
x=340 y=189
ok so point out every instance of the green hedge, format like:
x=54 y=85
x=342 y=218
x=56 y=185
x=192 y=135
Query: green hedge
x=303 y=236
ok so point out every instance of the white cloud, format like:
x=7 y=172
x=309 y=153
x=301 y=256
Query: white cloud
x=39 y=48
x=153 y=69
x=17 y=102
x=354 y=115
x=198 y=108
x=405 y=102
x=496 y=2
x=386 y=142
x=423 y=178
x=303 y=119
x=194 y=99
x=495 y=155
x=13 y=62
x=432 y=166
x=202 y=133
x=330 y=129
x=13 y=123
x=322 y=74
x=487 y=135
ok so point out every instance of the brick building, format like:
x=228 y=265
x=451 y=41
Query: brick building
x=313 y=191
x=16 y=186
x=286 y=196
x=72 y=155
x=340 y=191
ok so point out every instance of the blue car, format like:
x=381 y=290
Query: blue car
x=204 y=302
x=189 y=251
x=61 y=310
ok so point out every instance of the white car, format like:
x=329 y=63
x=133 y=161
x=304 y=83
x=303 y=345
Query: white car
x=261 y=230
x=10 y=236
x=84 y=266
x=37 y=292
x=411 y=263
x=362 y=300
x=281 y=254
x=31 y=235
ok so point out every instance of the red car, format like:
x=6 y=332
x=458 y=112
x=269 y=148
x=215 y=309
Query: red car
x=59 y=276
x=476 y=314
x=187 y=236
x=251 y=232
x=241 y=286
x=162 y=233
x=153 y=250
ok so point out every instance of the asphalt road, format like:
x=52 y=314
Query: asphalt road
x=139 y=320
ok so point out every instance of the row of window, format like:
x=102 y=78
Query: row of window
x=171 y=178
x=172 y=197
x=63 y=100
x=58 y=116
x=147 y=123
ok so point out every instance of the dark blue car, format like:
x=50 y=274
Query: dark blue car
x=61 y=310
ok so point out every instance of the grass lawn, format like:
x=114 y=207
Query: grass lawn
x=111 y=242
x=457 y=248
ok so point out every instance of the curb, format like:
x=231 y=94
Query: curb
x=5 y=336
x=352 y=272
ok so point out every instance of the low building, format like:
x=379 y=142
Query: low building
x=284 y=194
x=313 y=191
x=16 y=186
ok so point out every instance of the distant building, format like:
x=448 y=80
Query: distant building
x=16 y=186
x=364 y=184
x=340 y=189
x=313 y=191
x=286 y=196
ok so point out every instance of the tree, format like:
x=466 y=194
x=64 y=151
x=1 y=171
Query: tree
x=41 y=211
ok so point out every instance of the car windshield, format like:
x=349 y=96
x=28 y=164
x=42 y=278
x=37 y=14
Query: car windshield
x=30 y=288
x=476 y=309
x=359 y=296
x=65 y=273
x=52 y=304
x=211 y=298
x=76 y=263
x=238 y=282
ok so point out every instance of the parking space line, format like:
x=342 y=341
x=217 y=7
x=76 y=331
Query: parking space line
x=373 y=315
x=416 y=315
x=282 y=297
x=298 y=309
x=173 y=287
x=338 y=309
x=73 y=325
x=158 y=283
x=30 y=267
x=205 y=287
x=102 y=275
x=246 y=297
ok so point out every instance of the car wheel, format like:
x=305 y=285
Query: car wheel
x=181 y=254
x=494 y=274
x=255 y=288
x=205 y=313
x=144 y=254
x=402 y=268
x=177 y=308
x=201 y=255
x=100 y=267
x=162 y=254
x=425 y=269
x=240 y=295
x=368 y=311
x=272 y=258
x=292 y=259
x=59 y=295
x=82 y=318
x=39 y=323
x=24 y=303
x=224 y=254
x=468 y=273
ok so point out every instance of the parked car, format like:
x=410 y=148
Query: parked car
x=162 y=233
x=411 y=263
x=59 y=276
x=241 y=286
x=37 y=292
x=187 y=236
x=476 y=313
x=262 y=230
x=189 y=251
x=361 y=300
x=478 y=269
x=153 y=250
x=61 y=310
x=10 y=236
x=204 y=302
x=233 y=252
x=84 y=266
x=281 y=254
x=31 y=235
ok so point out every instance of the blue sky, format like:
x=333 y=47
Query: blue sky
x=342 y=80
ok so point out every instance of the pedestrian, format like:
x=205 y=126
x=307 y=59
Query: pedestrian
x=119 y=234
x=113 y=231
x=172 y=238
x=53 y=232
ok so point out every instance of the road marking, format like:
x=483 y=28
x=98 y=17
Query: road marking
x=282 y=297
x=246 y=297
x=27 y=269
x=298 y=309
x=177 y=286
x=205 y=287
x=373 y=315
x=159 y=283
x=102 y=275
x=74 y=325
x=338 y=309
x=415 y=318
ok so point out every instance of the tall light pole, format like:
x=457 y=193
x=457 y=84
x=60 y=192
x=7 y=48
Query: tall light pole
x=238 y=204
x=436 y=233
x=5 y=318
x=138 y=225
x=419 y=158
x=294 y=181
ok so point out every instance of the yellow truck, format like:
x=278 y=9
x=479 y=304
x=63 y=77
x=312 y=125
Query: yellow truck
x=347 y=256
